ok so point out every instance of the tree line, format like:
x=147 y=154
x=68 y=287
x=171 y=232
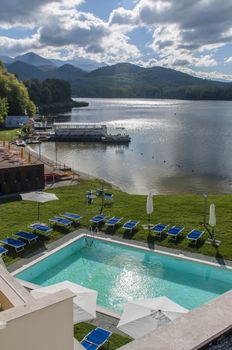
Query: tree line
x=48 y=91
x=14 y=97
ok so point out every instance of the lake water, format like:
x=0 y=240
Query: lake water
x=176 y=146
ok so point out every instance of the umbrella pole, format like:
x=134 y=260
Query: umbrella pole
x=213 y=234
x=38 y=209
x=149 y=220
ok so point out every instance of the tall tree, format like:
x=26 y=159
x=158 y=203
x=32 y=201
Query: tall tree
x=3 y=109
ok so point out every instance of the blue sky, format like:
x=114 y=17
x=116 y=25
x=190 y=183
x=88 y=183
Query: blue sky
x=193 y=36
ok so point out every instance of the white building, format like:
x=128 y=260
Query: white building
x=16 y=121
x=39 y=324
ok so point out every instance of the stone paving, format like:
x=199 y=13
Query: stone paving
x=107 y=322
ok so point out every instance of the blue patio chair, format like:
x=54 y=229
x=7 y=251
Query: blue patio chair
x=96 y=338
x=159 y=229
x=113 y=221
x=130 y=225
x=99 y=192
x=175 y=231
x=27 y=236
x=90 y=196
x=41 y=228
x=62 y=222
x=109 y=196
x=3 y=251
x=73 y=217
x=14 y=243
x=194 y=235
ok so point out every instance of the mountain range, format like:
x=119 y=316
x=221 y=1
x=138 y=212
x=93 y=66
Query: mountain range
x=121 y=80
x=39 y=61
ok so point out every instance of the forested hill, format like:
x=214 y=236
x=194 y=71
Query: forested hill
x=128 y=80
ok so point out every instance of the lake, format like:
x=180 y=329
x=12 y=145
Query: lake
x=176 y=146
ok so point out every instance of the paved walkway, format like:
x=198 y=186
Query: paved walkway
x=151 y=245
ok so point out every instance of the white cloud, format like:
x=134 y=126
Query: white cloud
x=228 y=60
x=184 y=34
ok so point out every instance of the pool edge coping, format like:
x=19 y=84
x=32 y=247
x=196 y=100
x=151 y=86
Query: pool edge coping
x=80 y=235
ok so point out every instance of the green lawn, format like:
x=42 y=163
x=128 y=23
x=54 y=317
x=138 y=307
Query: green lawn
x=186 y=210
x=116 y=341
x=8 y=134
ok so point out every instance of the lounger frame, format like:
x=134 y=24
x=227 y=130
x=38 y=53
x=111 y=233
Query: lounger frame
x=130 y=228
x=59 y=221
x=195 y=240
x=72 y=217
x=174 y=236
x=29 y=240
x=3 y=251
x=113 y=224
x=92 y=344
x=17 y=249
x=159 y=233
x=39 y=231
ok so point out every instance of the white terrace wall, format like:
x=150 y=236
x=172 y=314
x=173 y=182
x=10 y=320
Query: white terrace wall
x=48 y=328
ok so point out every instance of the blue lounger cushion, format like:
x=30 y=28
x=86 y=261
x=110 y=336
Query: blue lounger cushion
x=13 y=242
x=108 y=195
x=3 y=250
x=98 y=218
x=194 y=235
x=41 y=228
x=113 y=221
x=26 y=235
x=175 y=231
x=61 y=221
x=129 y=225
x=159 y=228
x=72 y=216
x=96 y=338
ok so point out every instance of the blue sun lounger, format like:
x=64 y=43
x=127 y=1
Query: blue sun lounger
x=73 y=217
x=98 y=218
x=27 y=236
x=14 y=243
x=96 y=339
x=62 y=222
x=174 y=231
x=3 y=250
x=159 y=229
x=130 y=225
x=194 y=235
x=113 y=221
x=41 y=228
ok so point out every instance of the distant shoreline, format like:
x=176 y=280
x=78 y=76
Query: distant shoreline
x=61 y=107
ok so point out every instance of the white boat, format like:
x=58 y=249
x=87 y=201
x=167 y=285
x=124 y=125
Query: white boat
x=86 y=132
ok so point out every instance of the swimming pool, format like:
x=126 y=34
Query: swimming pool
x=120 y=273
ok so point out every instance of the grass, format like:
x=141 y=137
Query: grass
x=115 y=341
x=8 y=134
x=186 y=210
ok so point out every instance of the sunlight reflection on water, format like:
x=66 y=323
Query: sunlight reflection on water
x=176 y=146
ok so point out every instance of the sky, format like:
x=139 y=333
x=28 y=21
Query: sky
x=193 y=36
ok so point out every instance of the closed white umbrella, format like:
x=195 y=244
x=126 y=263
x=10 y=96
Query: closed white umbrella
x=39 y=197
x=149 y=207
x=143 y=316
x=84 y=303
x=212 y=218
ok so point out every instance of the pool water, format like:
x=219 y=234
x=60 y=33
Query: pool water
x=120 y=273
